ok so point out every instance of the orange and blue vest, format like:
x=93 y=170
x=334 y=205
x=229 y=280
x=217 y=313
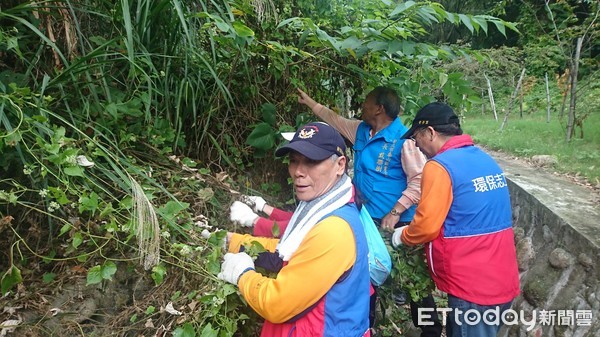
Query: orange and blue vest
x=474 y=256
x=344 y=310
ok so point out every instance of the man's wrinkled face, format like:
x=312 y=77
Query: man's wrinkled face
x=314 y=178
x=424 y=141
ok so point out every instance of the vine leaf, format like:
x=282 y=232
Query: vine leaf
x=10 y=279
x=94 y=275
x=262 y=137
x=98 y=273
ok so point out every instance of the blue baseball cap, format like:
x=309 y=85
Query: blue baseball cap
x=316 y=141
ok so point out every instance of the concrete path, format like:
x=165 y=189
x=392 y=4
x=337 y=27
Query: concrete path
x=578 y=205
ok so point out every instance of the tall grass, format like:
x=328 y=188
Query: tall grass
x=102 y=79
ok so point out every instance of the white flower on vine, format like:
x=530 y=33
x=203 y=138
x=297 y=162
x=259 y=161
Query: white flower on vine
x=71 y=160
x=165 y=234
x=53 y=206
x=217 y=301
x=27 y=171
x=43 y=193
x=185 y=250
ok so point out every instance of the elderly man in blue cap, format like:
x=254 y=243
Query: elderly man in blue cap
x=322 y=283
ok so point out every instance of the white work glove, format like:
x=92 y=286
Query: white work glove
x=256 y=202
x=242 y=214
x=396 y=241
x=234 y=265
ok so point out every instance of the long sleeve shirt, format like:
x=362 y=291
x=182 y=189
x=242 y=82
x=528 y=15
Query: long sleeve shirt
x=436 y=198
x=264 y=227
x=326 y=252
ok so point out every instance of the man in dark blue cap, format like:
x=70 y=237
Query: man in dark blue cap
x=322 y=286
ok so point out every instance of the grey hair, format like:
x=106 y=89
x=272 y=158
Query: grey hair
x=335 y=157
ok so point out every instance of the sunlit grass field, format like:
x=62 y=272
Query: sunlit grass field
x=531 y=135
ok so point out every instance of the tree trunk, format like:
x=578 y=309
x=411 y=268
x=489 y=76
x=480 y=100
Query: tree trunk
x=521 y=102
x=482 y=102
x=574 y=72
x=512 y=99
x=564 y=98
x=547 y=99
x=491 y=95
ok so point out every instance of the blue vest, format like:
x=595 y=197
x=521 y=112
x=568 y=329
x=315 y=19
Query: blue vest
x=481 y=202
x=351 y=292
x=378 y=173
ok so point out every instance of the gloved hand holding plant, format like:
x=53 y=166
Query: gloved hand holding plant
x=242 y=214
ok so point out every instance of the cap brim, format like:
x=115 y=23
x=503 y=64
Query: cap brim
x=306 y=149
x=410 y=132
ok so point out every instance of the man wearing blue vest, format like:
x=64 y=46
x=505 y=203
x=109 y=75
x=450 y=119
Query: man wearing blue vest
x=387 y=169
x=464 y=219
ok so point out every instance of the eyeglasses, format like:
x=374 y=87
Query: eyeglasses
x=414 y=135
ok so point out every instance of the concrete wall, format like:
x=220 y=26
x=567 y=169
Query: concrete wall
x=557 y=234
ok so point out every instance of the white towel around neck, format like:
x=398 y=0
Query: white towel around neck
x=308 y=214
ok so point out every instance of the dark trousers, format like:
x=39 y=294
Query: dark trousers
x=432 y=326
x=431 y=330
x=372 y=307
